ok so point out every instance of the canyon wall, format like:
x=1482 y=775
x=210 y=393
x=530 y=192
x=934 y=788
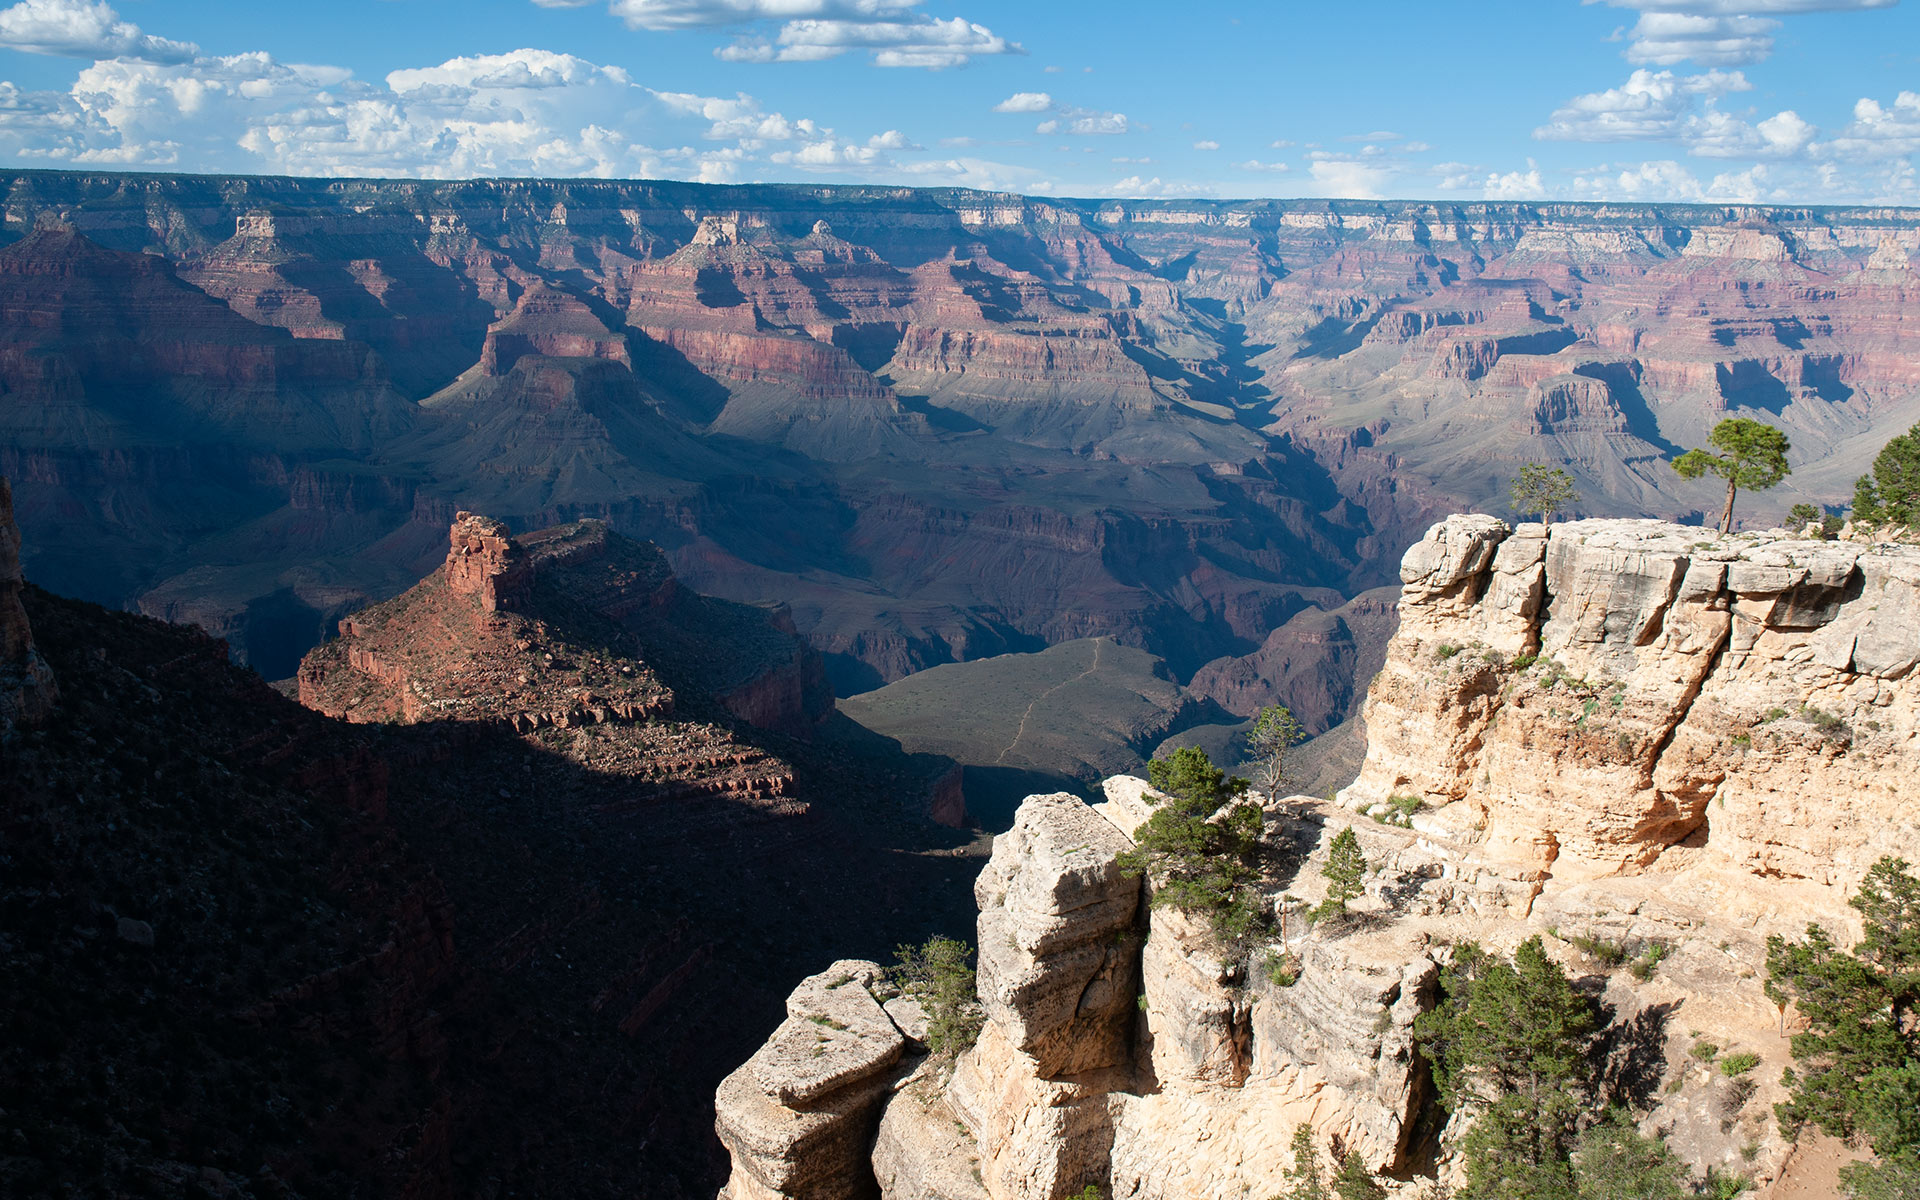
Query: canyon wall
x=1649 y=746
x=941 y=425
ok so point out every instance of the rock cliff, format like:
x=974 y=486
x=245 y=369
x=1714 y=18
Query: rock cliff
x=1621 y=697
x=1646 y=745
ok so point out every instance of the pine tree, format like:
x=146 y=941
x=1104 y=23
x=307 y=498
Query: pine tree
x=1307 y=1181
x=1346 y=871
x=1753 y=455
x=1540 y=490
x=1859 y=1057
x=939 y=975
x=1509 y=1041
x=1199 y=863
x=1354 y=1182
x=1891 y=493
x=1615 y=1161
x=1274 y=732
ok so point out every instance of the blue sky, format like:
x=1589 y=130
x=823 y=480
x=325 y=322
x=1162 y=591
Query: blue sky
x=1784 y=101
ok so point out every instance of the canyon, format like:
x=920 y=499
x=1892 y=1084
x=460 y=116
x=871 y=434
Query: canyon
x=493 y=911
x=1613 y=734
x=940 y=425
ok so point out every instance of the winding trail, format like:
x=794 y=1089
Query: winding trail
x=1022 y=730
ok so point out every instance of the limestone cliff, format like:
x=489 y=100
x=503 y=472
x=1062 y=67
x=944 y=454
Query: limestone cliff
x=1628 y=696
x=1649 y=747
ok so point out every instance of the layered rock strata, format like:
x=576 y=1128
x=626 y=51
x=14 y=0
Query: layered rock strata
x=1649 y=747
x=1589 y=700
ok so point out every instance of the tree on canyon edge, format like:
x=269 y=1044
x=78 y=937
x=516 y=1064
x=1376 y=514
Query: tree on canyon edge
x=1540 y=490
x=1275 y=731
x=1752 y=455
x=1198 y=864
x=1890 y=493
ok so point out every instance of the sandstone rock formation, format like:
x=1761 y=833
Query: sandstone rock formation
x=1589 y=702
x=27 y=689
x=1650 y=747
x=799 y=1117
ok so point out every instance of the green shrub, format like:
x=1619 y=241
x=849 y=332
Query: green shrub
x=1705 y=1051
x=1606 y=952
x=1346 y=872
x=1446 y=650
x=1198 y=864
x=1282 y=968
x=940 y=976
x=1734 y=1065
x=1650 y=958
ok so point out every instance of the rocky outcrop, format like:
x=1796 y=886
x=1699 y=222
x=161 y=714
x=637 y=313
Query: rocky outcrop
x=799 y=1117
x=1153 y=1071
x=1590 y=700
x=482 y=561
x=27 y=689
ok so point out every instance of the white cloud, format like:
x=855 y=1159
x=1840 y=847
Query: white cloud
x=1350 y=178
x=1134 y=187
x=1666 y=38
x=1280 y=144
x=1878 y=130
x=1649 y=105
x=1716 y=32
x=1206 y=144
x=1718 y=135
x=1025 y=102
x=78 y=29
x=895 y=33
x=1084 y=121
x=1254 y=164
x=526 y=112
x=923 y=42
x=1515 y=185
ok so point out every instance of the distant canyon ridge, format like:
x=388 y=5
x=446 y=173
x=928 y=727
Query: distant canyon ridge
x=937 y=425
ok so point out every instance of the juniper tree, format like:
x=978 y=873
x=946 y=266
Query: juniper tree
x=1540 y=490
x=1615 y=1161
x=1274 y=732
x=1752 y=455
x=1354 y=1182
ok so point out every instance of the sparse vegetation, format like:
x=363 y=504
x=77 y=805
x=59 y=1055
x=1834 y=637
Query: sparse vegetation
x=1735 y=1065
x=1651 y=957
x=1705 y=1051
x=1345 y=871
x=1446 y=650
x=1282 y=968
x=939 y=974
x=1890 y=493
x=1858 y=1059
x=1398 y=810
x=1605 y=951
x=1751 y=454
x=1200 y=864
x=1275 y=731
x=1613 y=1160
x=1541 y=491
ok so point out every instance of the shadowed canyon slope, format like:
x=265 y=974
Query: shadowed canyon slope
x=941 y=425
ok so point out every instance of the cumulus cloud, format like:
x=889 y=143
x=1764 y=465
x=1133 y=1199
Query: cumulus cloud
x=1666 y=38
x=1716 y=32
x=1084 y=121
x=893 y=32
x=1025 y=102
x=525 y=112
x=1350 y=178
x=1515 y=185
x=1206 y=144
x=77 y=29
x=1254 y=164
x=1649 y=105
x=1879 y=130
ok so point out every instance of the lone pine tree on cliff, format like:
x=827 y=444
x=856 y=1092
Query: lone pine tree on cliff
x=1275 y=731
x=1540 y=490
x=1752 y=455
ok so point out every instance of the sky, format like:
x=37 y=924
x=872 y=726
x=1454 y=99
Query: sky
x=1767 y=101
